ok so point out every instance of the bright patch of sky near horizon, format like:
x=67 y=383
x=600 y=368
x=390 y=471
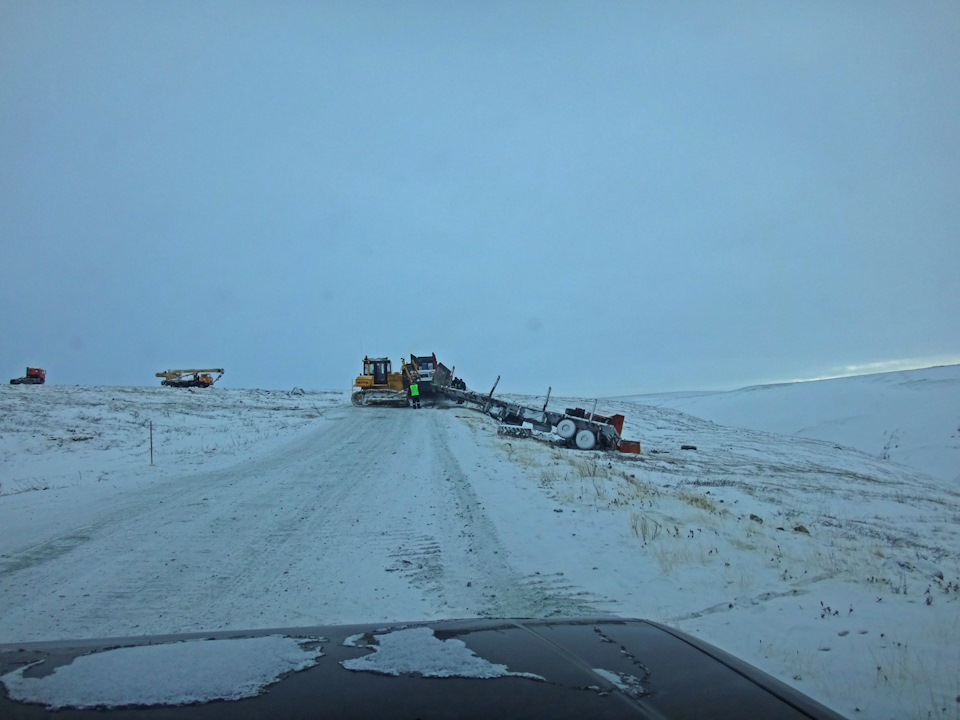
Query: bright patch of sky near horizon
x=607 y=198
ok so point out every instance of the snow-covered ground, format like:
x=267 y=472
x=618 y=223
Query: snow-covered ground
x=830 y=563
x=910 y=417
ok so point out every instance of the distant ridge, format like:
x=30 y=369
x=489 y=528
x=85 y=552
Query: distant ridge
x=910 y=417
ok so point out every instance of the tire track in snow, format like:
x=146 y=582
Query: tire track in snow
x=206 y=550
x=369 y=517
x=474 y=551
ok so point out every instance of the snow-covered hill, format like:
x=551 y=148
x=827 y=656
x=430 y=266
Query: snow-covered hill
x=910 y=417
x=832 y=568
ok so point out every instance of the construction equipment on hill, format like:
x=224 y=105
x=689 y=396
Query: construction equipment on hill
x=576 y=426
x=190 y=378
x=379 y=385
x=34 y=376
x=579 y=428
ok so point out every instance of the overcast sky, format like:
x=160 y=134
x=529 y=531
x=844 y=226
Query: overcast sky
x=604 y=197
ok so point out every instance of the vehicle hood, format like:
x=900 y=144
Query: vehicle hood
x=579 y=668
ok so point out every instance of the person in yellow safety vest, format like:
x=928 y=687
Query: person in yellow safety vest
x=415 y=395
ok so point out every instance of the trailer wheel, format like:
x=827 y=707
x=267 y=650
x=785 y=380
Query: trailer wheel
x=566 y=429
x=586 y=440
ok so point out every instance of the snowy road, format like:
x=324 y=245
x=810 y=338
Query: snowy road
x=836 y=570
x=367 y=517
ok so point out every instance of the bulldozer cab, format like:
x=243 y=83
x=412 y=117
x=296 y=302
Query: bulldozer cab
x=380 y=371
x=378 y=368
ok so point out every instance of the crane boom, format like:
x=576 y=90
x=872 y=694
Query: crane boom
x=195 y=377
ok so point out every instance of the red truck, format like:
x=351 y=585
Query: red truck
x=35 y=376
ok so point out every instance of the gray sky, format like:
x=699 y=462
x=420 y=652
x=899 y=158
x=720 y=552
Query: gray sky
x=605 y=197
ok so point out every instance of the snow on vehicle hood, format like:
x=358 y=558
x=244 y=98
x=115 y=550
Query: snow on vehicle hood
x=417 y=650
x=177 y=673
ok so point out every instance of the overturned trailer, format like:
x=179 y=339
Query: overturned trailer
x=586 y=430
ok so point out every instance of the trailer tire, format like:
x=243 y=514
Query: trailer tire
x=586 y=440
x=566 y=429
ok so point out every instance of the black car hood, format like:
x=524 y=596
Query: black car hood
x=580 y=668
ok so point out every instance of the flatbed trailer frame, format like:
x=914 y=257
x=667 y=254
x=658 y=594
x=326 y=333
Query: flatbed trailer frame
x=578 y=427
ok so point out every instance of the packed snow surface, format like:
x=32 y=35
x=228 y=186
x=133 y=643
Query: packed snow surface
x=834 y=567
x=177 y=673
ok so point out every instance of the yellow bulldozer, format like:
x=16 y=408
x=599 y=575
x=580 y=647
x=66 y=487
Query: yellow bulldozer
x=190 y=378
x=379 y=385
